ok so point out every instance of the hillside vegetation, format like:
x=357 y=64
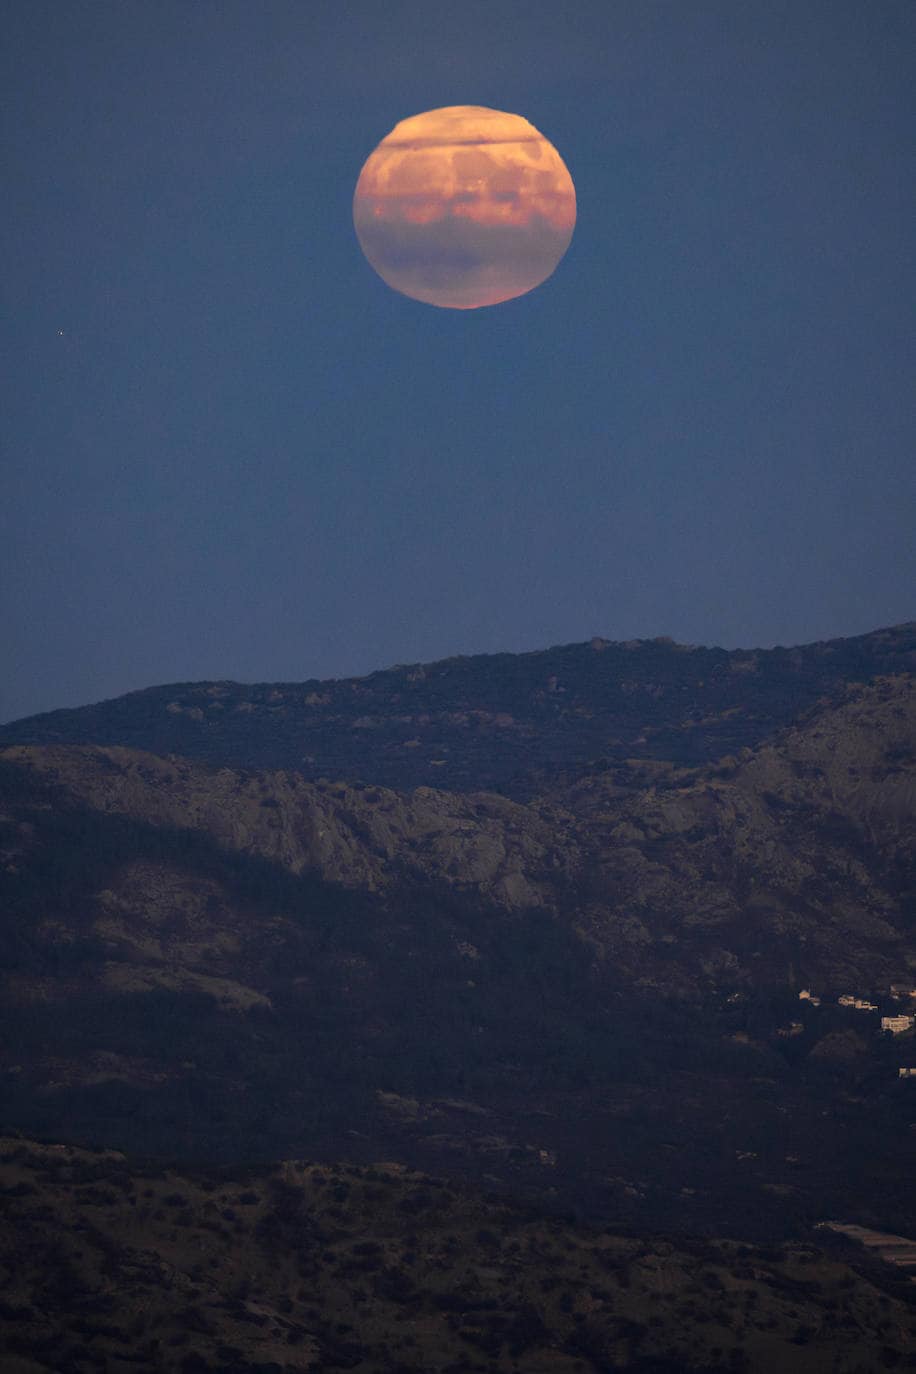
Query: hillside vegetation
x=497 y=722
x=385 y=1271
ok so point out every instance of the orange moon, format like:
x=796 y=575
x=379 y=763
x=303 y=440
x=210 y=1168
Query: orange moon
x=464 y=207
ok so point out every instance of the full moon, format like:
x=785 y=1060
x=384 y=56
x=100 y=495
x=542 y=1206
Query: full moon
x=464 y=207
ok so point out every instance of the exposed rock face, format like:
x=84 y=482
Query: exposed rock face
x=366 y=837
x=806 y=844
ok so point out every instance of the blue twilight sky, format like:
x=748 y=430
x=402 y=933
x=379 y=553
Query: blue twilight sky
x=230 y=451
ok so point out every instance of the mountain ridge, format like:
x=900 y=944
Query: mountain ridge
x=499 y=722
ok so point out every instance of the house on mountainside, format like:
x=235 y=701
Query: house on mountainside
x=897 y=1024
x=859 y=1003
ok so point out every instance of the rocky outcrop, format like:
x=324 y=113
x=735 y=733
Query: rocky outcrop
x=365 y=837
x=800 y=851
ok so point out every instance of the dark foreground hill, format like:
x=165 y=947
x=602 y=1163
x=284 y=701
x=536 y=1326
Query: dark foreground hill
x=496 y=722
x=382 y=1270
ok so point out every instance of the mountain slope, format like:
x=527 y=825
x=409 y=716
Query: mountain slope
x=501 y=722
x=591 y=997
x=794 y=862
x=384 y=1271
